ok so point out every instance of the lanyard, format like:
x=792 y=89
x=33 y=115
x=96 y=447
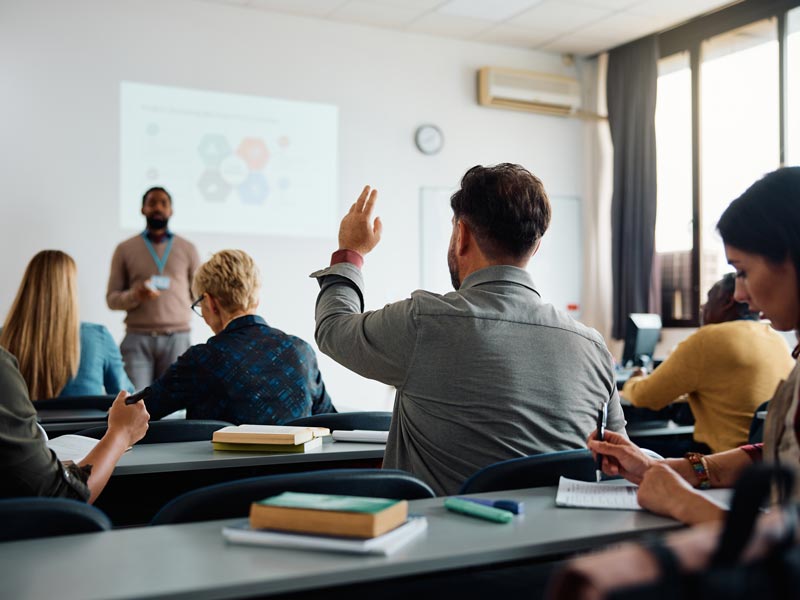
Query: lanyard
x=160 y=262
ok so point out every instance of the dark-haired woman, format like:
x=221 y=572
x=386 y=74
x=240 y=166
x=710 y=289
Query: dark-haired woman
x=761 y=232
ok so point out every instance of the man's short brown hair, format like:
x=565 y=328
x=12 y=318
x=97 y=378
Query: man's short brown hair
x=505 y=206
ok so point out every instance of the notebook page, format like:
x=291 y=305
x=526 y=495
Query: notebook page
x=584 y=494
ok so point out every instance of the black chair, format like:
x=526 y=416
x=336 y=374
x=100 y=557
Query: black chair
x=233 y=499
x=756 y=434
x=75 y=402
x=371 y=420
x=538 y=470
x=27 y=518
x=171 y=430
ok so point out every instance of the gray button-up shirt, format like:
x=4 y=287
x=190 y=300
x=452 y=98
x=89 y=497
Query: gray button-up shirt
x=483 y=374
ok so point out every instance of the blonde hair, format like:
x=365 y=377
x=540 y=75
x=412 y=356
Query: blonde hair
x=42 y=328
x=232 y=277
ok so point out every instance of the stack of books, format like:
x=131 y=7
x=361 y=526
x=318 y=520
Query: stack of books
x=328 y=522
x=268 y=438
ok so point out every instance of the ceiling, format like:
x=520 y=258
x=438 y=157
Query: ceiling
x=565 y=26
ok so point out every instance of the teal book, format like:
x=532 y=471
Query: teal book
x=347 y=516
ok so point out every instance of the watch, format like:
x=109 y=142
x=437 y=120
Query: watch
x=429 y=139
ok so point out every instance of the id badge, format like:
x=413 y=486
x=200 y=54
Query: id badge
x=160 y=282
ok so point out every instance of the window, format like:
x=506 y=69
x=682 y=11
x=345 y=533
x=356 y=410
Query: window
x=721 y=124
x=674 y=234
x=739 y=128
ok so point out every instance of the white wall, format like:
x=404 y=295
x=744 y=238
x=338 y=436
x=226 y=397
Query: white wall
x=61 y=64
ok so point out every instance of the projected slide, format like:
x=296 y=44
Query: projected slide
x=233 y=163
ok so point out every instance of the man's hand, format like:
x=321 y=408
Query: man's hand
x=358 y=231
x=620 y=456
x=143 y=292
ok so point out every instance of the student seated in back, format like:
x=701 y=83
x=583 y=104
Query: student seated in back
x=728 y=368
x=248 y=372
x=57 y=354
x=487 y=372
x=29 y=468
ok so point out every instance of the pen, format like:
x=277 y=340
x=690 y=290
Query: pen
x=602 y=417
x=511 y=506
x=140 y=395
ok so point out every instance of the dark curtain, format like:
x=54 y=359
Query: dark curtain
x=631 y=96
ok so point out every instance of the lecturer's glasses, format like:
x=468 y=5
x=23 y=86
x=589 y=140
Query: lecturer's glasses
x=198 y=310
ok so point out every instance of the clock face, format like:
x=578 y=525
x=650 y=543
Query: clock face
x=429 y=139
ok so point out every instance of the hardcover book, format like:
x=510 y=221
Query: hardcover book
x=267 y=434
x=347 y=516
x=288 y=448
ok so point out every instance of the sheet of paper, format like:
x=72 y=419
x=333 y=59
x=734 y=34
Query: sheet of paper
x=360 y=435
x=72 y=447
x=585 y=494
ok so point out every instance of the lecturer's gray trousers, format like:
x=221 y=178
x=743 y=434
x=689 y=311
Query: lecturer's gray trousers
x=148 y=356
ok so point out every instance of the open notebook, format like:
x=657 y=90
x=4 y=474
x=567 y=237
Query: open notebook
x=619 y=495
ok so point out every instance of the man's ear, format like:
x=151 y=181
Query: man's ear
x=464 y=237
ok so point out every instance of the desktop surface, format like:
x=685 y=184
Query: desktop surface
x=194 y=561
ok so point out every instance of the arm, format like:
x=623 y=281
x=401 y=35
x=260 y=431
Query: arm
x=127 y=424
x=115 y=379
x=679 y=374
x=378 y=344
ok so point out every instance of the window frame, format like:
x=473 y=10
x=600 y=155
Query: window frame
x=689 y=37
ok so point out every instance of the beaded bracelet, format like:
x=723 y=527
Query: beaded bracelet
x=699 y=467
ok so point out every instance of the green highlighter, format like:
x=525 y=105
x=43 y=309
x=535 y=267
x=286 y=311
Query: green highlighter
x=478 y=510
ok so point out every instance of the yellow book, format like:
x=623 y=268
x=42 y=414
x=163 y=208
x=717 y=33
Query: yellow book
x=346 y=516
x=267 y=434
x=288 y=448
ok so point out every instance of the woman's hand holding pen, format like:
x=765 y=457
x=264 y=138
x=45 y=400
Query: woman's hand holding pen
x=620 y=456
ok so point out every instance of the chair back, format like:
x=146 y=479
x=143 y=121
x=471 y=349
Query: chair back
x=756 y=435
x=538 y=470
x=27 y=518
x=75 y=402
x=171 y=430
x=371 y=420
x=232 y=499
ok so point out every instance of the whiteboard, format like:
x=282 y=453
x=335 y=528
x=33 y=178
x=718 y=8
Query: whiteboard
x=557 y=268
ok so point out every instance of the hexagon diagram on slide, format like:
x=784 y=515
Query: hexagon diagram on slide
x=254 y=189
x=212 y=186
x=253 y=151
x=213 y=148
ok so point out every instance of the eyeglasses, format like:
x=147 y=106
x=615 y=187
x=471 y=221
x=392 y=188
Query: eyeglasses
x=196 y=306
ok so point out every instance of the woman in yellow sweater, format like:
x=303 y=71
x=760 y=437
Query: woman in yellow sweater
x=728 y=367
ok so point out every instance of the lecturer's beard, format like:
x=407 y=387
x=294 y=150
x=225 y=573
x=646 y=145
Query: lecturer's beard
x=452 y=266
x=155 y=224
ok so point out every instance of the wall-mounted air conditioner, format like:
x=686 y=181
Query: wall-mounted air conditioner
x=528 y=90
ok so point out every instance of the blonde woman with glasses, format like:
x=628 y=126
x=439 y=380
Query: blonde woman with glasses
x=57 y=354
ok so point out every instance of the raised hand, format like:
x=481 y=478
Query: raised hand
x=358 y=231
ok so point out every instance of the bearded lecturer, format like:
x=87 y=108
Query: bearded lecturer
x=151 y=276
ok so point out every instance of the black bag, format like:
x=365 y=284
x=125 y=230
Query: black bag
x=775 y=576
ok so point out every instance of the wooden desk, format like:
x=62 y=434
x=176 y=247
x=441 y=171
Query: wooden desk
x=193 y=560
x=150 y=475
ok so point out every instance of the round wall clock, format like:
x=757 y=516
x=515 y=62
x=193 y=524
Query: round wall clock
x=429 y=139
